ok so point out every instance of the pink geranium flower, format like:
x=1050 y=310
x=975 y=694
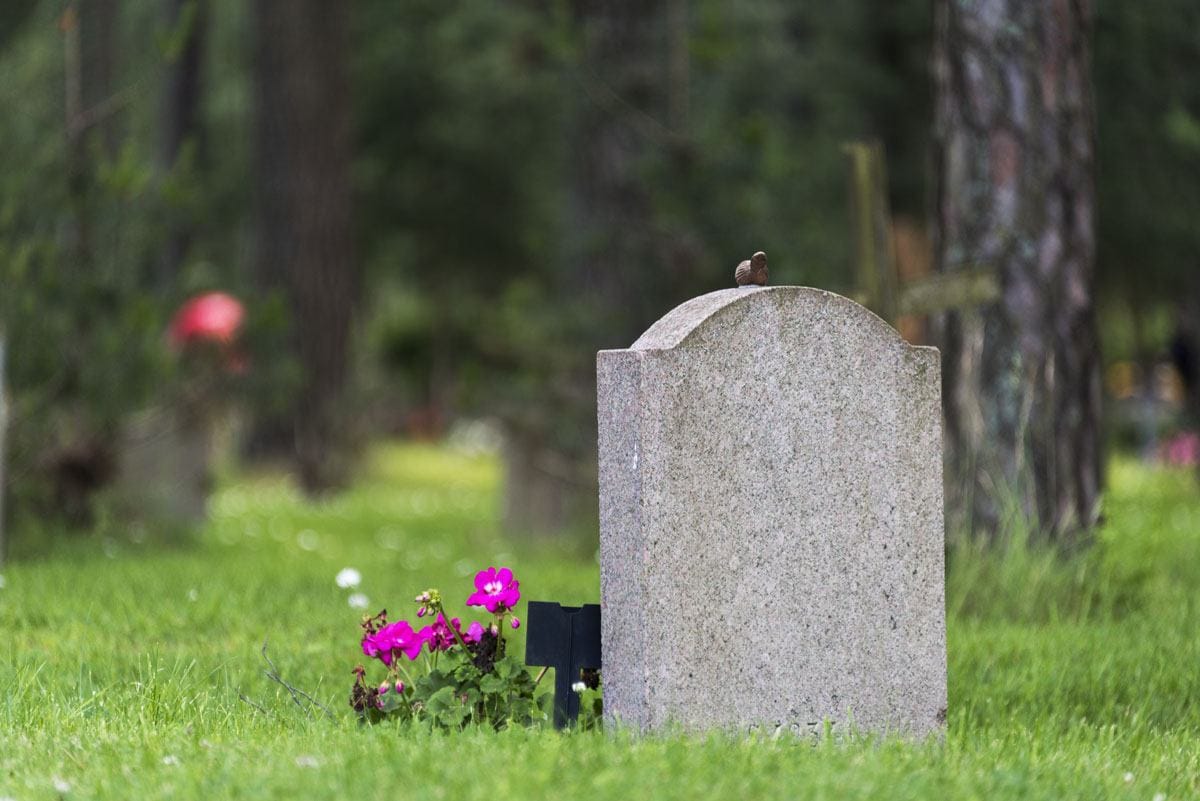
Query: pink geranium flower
x=394 y=638
x=474 y=632
x=439 y=636
x=495 y=590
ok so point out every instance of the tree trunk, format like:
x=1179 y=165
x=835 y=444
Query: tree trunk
x=81 y=464
x=625 y=64
x=304 y=245
x=90 y=43
x=1013 y=152
x=181 y=113
x=612 y=278
x=679 y=68
x=98 y=23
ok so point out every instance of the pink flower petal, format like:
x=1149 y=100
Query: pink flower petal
x=484 y=577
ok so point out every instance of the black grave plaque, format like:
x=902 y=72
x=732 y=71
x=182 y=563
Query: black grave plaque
x=566 y=638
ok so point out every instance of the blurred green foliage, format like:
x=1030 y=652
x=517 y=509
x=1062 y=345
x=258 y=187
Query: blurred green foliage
x=1148 y=150
x=471 y=138
x=82 y=346
x=468 y=132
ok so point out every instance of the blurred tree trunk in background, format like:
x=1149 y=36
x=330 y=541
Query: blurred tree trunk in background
x=304 y=236
x=613 y=271
x=98 y=24
x=624 y=117
x=89 y=31
x=1013 y=156
x=679 y=67
x=186 y=23
x=81 y=461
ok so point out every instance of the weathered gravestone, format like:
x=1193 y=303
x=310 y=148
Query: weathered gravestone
x=771 y=519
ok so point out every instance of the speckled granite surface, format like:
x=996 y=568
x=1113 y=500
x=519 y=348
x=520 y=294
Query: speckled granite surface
x=771 y=519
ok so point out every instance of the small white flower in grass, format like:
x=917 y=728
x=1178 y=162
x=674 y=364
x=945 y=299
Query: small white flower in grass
x=307 y=761
x=1128 y=777
x=358 y=601
x=193 y=595
x=348 y=578
x=579 y=686
x=1160 y=797
x=61 y=785
x=170 y=759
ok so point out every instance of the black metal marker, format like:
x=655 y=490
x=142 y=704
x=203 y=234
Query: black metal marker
x=566 y=638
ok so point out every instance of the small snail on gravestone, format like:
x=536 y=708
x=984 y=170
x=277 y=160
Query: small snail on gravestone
x=752 y=271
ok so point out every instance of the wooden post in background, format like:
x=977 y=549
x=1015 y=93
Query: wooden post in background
x=874 y=254
x=903 y=297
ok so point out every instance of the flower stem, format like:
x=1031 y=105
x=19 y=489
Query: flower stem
x=407 y=679
x=407 y=702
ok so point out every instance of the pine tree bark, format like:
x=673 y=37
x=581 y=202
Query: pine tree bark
x=304 y=215
x=1013 y=156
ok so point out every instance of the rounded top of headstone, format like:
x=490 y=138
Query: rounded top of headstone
x=674 y=328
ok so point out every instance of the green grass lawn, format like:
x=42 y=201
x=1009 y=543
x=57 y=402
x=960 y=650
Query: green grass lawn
x=122 y=660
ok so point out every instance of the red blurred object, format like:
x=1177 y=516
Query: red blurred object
x=213 y=317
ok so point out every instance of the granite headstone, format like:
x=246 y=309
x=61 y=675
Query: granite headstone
x=771 y=519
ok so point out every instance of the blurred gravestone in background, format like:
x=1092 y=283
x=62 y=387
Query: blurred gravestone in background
x=164 y=468
x=771 y=535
